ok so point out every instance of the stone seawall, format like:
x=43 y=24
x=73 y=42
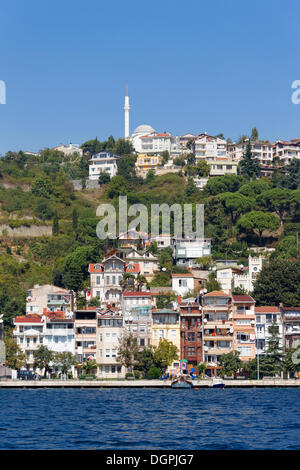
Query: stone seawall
x=143 y=383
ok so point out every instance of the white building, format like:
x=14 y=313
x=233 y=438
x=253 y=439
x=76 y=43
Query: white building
x=136 y=308
x=231 y=277
x=264 y=318
x=109 y=332
x=106 y=277
x=139 y=132
x=209 y=148
x=103 y=162
x=263 y=150
x=187 y=250
x=48 y=297
x=286 y=151
x=29 y=335
x=69 y=149
x=183 y=283
x=156 y=143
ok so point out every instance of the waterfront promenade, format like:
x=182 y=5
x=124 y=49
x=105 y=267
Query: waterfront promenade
x=143 y=383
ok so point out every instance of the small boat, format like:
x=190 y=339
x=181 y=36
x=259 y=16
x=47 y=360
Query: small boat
x=217 y=382
x=182 y=381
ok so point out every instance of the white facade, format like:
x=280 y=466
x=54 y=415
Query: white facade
x=231 y=277
x=209 y=148
x=286 y=151
x=109 y=332
x=103 y=162
x=59 y=335
x=69 y=149
x=263 y=150
x=182 y=283
x=264 y=318
x=187 y=250
x=47 y=297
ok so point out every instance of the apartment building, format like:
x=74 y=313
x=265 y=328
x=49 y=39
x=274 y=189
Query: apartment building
x=243 y=315
x=109 y=332
x=265 y=317
x=263 y=150
x=209 y=148
x=217 y=328
x=183 y=283
x=286 y=151
x=51 y=298
x=144 y=163
x=59 y=331
x=187 y=250
x=291 y=326
x=103 y=162
x=85 y=324
x=29 y=335
x=136 y=309
x=156 y=143
x=166 y=325
x=191 y=333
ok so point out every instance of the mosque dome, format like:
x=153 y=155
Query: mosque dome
x=143 y=129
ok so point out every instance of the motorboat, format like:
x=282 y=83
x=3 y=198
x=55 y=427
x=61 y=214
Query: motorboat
x=217 y=382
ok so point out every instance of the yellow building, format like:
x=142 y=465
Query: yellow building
x=144 y=163
x=166 y=325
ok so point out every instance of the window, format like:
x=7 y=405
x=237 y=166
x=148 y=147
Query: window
x=113 y=353
x=107 y=352
x=142 y=341
x=182 y=282
x=98 y=280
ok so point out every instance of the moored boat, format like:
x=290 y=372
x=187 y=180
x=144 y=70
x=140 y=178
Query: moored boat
x=182 y=381
x=217 y=382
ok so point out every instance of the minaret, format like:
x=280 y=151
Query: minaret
x=126 y=109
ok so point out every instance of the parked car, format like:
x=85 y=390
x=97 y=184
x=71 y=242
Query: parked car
x=27 y=375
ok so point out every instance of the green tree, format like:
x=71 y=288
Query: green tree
x=65 y=360
x=15 y=358
x=249 y=165
x=258 y=220
x=277 y=200
x=42 y=359
x=165 y=156
x=191 y=189
x=104 y=178
x=278 y=281
x=254 y=134
x=203 y=168
x=128 y=350
x=55 y=224
x=235 y=204
x=89 y=366
x=145 y=360
x=123 y=147
x=201 y=367
x=75 y=220
x=230 y=363
x=212 y=284
x=165 y=353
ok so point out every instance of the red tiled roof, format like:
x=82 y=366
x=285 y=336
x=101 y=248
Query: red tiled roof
x=33 y=318
x=135 y=270
x=217 y=293
x=242 y=298
x=136 y=294
x=287 y=309
x=93 y=270
x=267 y=309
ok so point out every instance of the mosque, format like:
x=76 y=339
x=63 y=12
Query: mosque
x=145 y=139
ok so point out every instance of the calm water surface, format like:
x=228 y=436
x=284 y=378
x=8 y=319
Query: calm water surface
x=150 y=419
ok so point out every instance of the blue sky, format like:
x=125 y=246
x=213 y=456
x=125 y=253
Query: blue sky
x=213 y=66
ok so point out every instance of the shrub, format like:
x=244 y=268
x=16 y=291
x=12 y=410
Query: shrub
x=154 y=373
x=128 y=374
x=137 y=374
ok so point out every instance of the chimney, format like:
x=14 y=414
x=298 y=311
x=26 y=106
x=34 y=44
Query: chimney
x=179 y=299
